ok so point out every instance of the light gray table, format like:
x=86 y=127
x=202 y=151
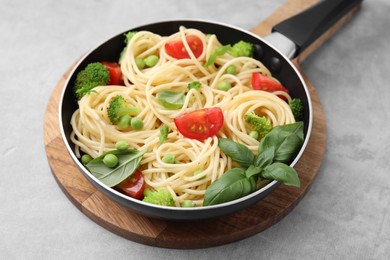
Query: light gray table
x=345 y=215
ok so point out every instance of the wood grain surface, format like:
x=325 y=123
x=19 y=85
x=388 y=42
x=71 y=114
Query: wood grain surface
x=197 y=234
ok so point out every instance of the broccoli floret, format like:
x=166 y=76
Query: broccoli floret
x=259 y=124
x=95 y=74
x=159 y=197
x=242 y=49
x=297 y=108
x=128 y=37
x=118 y=107
x=239 y=49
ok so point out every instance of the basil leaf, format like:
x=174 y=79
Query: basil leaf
x=286 y=140
x=265 y=157
x=281 y=172
x=238 y=152
x=232 y=185
x=171 y=99
x=127 y=164
x=253 y=171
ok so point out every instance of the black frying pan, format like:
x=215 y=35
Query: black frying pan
x=288 y=39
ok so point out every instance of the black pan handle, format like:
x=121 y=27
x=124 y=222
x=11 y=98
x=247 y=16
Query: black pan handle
x=307 y=26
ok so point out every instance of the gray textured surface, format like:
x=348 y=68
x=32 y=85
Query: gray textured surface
x=345 y=215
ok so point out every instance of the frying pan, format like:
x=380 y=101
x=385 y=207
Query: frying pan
x=288 y=39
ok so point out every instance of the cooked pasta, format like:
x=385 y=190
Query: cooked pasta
x=198 y=162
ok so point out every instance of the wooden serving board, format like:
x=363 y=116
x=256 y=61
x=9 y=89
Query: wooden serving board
x=196 y=234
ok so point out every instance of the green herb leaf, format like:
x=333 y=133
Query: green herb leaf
x=194 y=84
x=232 y=185
x=265 y=158
x=281 y=172
x=277 y=148
x=163 y=133
x=286 y=140
x=127 y=164
x=215 y=53
x=238 y=152
x=171 y=99
x=253 y=171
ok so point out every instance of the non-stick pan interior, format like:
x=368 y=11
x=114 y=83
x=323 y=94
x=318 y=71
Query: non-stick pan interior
x=279 y=66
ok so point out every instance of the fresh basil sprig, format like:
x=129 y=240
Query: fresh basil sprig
x=276 y=149
x=128 y=162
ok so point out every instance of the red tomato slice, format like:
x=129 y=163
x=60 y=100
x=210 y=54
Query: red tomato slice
x=177 y=50
x=261 y=82
x=200 y=124
x=133 y=186
x=115 y=72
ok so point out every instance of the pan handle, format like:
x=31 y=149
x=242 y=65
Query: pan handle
x=294 y=35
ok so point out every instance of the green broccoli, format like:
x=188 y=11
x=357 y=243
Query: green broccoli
x=93 y=75
x=159 y=197
x=242 y=49
x=259 y=124
x=217 y=52
x=297 y=108
x=128 y=37
x=239 y=49
x=118 y=108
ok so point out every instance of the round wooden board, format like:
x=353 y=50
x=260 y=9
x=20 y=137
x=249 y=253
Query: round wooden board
x=196 y=234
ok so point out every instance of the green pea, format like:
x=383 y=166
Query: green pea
x=140 y=63
x=254 y=134
x=224 y=85
x=110 y=160
x=122 y=145
x=231 y=70
x=86 y=158
x=151 y=60
x=188 y=204
x=124 y=121
x=169 y=158
x=137 y=123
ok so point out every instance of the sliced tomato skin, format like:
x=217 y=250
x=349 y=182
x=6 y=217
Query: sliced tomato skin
x=177 y=50
x=115 y=72
x=133 y=186
x=200 y=124
x=262 y=82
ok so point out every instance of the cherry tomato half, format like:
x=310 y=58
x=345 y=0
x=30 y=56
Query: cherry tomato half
x=133 y=186
x=177 y=50
x=200 y=124
x=115 y=72
x=262 y=82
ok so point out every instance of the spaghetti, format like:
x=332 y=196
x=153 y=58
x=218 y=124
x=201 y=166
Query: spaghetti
x=199 y=162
